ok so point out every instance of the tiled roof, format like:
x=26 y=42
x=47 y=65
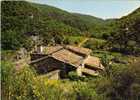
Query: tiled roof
x=93 y=62
x=73 y=55
x=52 y=49
x=79 y=50
x=68 y=57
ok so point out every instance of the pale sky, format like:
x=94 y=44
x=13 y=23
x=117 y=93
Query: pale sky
x=100 y=8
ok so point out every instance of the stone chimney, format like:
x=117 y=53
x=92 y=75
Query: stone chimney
x=40 y=49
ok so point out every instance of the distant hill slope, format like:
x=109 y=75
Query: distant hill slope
x=20 y=19
x=90 y=19
x=97 y=26
x=83 y=23
x=126 y=37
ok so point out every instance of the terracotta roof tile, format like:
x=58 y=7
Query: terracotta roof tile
x=93 y=62
x=68 y=57
x=81 y=50
x=72 y=55
x=52 y=49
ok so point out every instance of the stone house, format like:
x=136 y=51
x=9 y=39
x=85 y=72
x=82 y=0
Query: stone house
x=66 y=58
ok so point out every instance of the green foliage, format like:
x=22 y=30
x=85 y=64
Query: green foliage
x=122 y=83
x=126 y=37
x=53 y=25
x=105 y=61
x=94 y=43
x=8 y=55
x=58 y=93
x=25 y=84
x=73 y=76
x=98 y=27
x=49 y=23
x=20 y=85
x=73 y=40
x=125 y=80
x=16 y=21
x=10 y=40
x=86 y=92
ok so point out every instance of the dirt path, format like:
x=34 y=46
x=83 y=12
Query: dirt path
x=80 y=44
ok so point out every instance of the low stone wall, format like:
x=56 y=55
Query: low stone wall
x=48 y=64
x=54 y=75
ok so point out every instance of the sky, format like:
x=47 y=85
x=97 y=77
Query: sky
x=99 y=8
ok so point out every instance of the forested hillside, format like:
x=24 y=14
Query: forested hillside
x=98 y=27
x=20 y=19
x=126 y=37
x=116 y=42
x=53 y=24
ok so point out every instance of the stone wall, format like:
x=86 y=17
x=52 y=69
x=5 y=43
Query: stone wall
x=50 y=64
x=35 y=56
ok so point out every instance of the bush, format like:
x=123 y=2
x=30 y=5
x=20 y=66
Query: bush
x=25 y=85
x=94 y=43
x=124 y=83
x=21 y=85
x=86 y=91
x=73 y=40
x=73 y=76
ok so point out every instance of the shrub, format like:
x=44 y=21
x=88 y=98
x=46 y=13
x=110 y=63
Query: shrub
x=105 y=61
x=21 y=85
x=85 y=91
x=94 y=43
x=73 y=40
x=123 y=85
x=73 y=76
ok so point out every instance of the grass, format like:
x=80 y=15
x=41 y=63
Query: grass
x=74 y=40
x=8 y=55
x=94 y=43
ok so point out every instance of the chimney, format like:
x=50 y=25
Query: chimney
x=40 y=49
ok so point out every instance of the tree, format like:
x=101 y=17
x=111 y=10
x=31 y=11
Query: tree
x=105 y=61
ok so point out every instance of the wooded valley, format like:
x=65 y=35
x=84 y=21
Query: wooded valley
x=116 y=42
